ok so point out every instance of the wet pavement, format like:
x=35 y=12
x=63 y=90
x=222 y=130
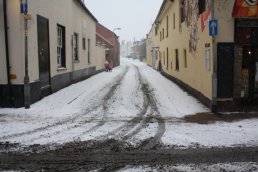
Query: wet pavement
x=112 y=155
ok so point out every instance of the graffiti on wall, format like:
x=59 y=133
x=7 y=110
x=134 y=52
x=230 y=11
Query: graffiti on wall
x=191 y=17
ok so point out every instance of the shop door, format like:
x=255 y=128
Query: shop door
x=225 y=70
x=43 y=53
x=250 y=73
x=256 y=76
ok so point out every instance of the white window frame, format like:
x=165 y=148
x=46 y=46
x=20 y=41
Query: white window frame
x=76 y=47
x=59 y=46
x=207 y=59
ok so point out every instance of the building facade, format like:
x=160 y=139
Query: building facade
x=221 y=70
x=152 y=47
x=126 y=49
x=110 y=40
x=61 y=48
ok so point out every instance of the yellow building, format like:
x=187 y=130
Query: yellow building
x=152 y=48
x=210 y=48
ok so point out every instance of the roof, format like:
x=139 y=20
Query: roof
x=87 y=10
x=162 y=9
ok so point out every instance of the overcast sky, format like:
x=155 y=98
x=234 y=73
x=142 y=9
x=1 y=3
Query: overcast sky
x=134 y=17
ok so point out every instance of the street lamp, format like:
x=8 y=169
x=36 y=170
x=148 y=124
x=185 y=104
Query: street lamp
x=113 y=41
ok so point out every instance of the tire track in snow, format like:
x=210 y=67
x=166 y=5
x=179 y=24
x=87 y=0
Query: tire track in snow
x=142 y=120
x=83 y=122
x=62 y=122
x=152 y=142
x=107 y=97
x=124 y=129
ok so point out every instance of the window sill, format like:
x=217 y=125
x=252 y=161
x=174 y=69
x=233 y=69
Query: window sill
x=61 y=68
x=76 y=61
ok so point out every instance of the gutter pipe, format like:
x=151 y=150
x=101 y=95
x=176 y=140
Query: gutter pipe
x=214 y=73
x=10 y=100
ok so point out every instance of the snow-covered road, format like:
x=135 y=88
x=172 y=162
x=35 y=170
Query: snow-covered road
x=134 y=103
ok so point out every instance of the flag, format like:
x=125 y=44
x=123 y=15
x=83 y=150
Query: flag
x=205 y=17
x=245 y=8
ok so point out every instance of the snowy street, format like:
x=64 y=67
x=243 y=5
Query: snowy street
x=133 y=105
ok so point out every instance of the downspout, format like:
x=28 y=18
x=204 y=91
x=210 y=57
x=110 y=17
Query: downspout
x=214 y=73
x=10 y=101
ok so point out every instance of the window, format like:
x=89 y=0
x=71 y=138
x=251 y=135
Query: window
x=167 y=27
x=84 y=43
x=164 y=58
x=207 y=59
x=201 y=6
x=177 y=60
x=163 y=34
x=167 y=58
x=75 y=47
x=160 y=34
x=174 y=21
x=60 y=47
x=89 y=52
x=182 y=14
x=185 y=58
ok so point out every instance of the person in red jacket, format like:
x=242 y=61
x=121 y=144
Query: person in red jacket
x=110 y=67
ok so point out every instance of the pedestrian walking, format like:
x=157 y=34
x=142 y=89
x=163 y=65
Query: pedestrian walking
x=106 y=66
x=110 y=66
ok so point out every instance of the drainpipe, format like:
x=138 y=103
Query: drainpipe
x=214 y=74
x=10 y=100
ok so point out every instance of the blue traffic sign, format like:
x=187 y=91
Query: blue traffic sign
x=213 y=27
x=24 y=6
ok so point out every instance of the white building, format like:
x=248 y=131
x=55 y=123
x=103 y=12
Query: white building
x=61 y=48
x=126 y=48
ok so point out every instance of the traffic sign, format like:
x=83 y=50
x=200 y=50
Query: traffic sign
x=24 y=6
x=213 y=27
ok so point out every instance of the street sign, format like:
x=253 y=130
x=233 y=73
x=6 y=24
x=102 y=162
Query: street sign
x=24 y=6
x=213 y=27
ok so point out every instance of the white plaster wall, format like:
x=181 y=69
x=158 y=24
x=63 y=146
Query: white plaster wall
x=67 y=13
x=99 y=57
x=56 y=12
x=16 y=40
x=223 y=12
x=3 y=72
x=85 y=27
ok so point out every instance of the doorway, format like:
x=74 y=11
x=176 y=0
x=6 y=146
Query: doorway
x=249 y=75
x=43 y=54
x=225 y=70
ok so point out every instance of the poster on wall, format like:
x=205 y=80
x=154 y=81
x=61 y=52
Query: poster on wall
x=245 y=8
